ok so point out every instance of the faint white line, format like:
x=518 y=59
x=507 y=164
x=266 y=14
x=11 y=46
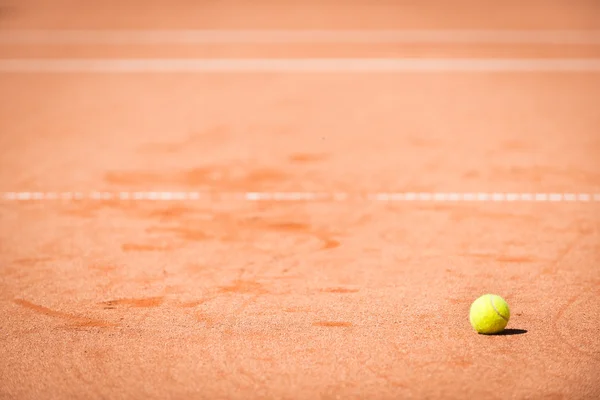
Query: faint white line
x=124 y=37
x=456 y=196
x=512 y=196
x=526 y=196
x=582 y=197
x=483 y=196
x=97 y=196
x=312 y=65
x=162 y=196
x=253 y=196
x=431 y=196
x=498 y=197
x=556 y=197
x=23 y=196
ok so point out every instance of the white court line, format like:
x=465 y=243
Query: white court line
x=311 y=65
x=406 y=197
x=121 y=37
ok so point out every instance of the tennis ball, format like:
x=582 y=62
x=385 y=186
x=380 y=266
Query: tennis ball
x=489 y=314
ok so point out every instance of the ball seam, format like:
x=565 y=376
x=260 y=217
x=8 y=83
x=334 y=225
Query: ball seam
x=495 y=309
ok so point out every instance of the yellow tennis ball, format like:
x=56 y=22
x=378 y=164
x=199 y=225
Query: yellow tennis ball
x=489 y=314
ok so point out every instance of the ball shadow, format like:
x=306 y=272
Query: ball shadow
x=510 y=332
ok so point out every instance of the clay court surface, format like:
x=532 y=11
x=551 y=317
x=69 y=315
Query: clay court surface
x=145 y=252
